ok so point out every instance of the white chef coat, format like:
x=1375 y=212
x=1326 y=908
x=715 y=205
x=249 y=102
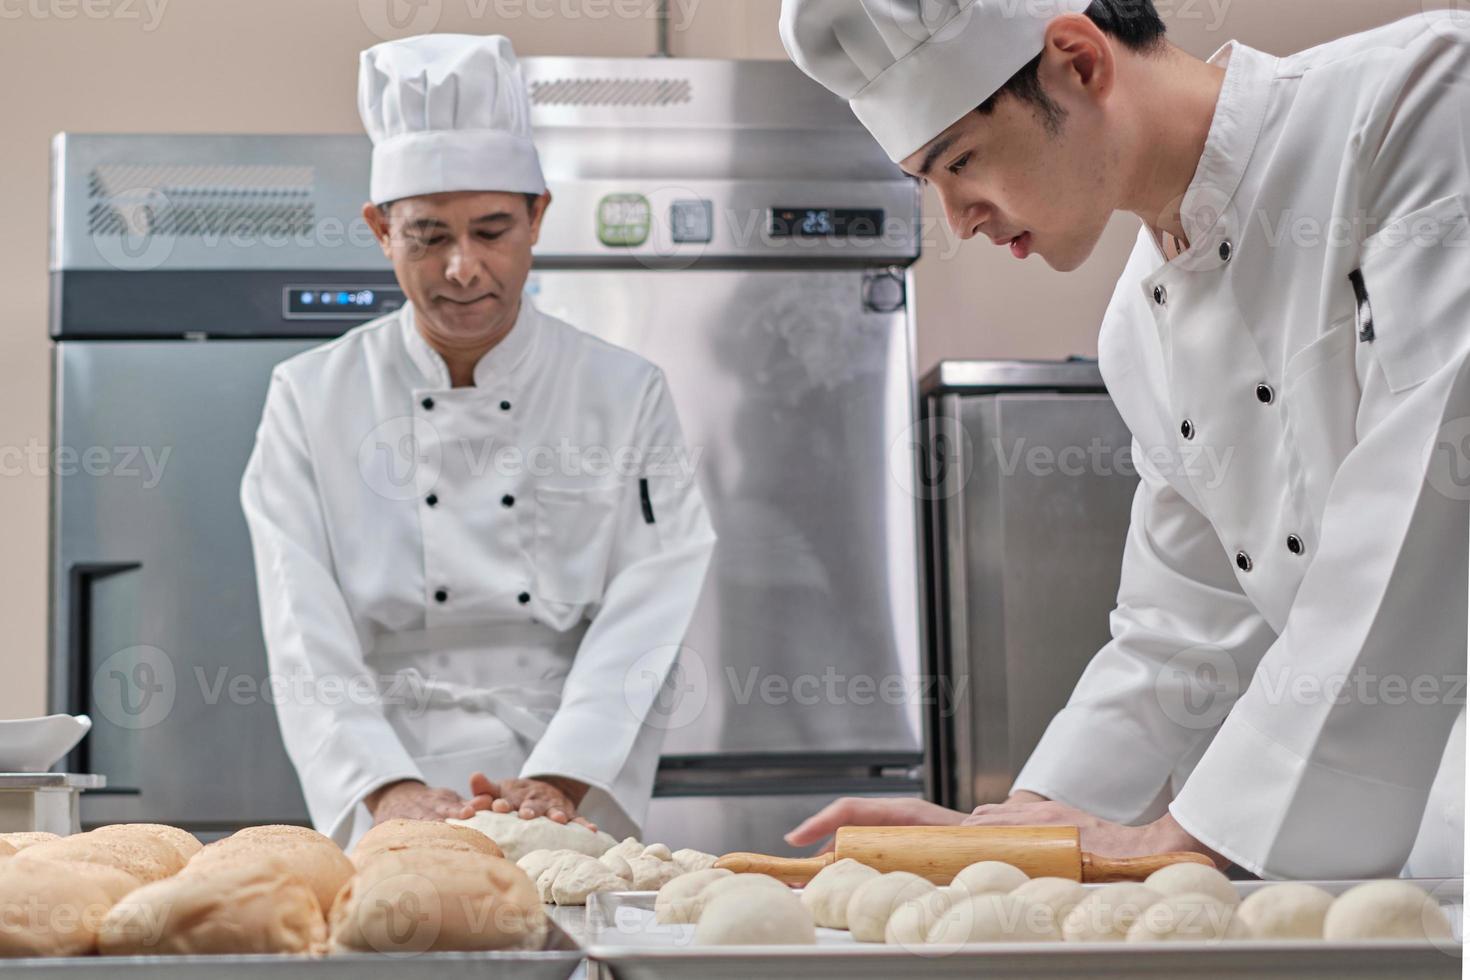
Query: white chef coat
x=1288 y=532
x=473 y=578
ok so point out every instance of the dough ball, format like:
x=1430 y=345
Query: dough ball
x=735 y=918
x=985 y=877
x=279 y=832
x=1107 y=913
x=238 y=908
x=322 y=867
x=995 y=918
x=578 y=879
x=658 y=851
x=181 y=840
x=650 y=874
x=827 y=894
x=1287 y=911
x=399 y=835
x=547 y=878
x=1386 y=910
x=628 y=847
x=1191 y=917
x=675 y=900
x=1193 y=879
x=143 y=856
x=874 y=901
x=737 y=882
x=1061 y=895
x=114 y=881
x=47 y=913
x=538 y=861
x=691 y=860
x=414 y=902
x=910 y=923
x=618 y=865
x=517 y=837
x=20 y=840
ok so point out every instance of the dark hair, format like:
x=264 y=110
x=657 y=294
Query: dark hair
x=531 y=200
x=1136 y=25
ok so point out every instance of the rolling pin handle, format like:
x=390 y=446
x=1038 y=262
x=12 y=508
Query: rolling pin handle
x=793 y=871
x=1098 y=869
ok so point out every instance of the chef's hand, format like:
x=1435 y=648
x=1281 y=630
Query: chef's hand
x=856 y=811
x=555 y=797
x=410 y=799
x=1102 y=837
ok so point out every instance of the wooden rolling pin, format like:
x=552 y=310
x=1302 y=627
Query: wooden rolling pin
x=939 y=853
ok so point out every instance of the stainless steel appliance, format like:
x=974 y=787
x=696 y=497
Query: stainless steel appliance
x=1026 y=467
x=730 y=221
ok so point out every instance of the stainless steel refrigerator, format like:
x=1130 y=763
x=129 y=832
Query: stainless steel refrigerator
x=730 y=221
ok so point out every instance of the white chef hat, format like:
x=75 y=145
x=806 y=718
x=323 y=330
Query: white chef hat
x=447 y=112
x=911 y=68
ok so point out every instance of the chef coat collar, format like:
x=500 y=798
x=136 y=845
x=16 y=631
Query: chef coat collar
x=499 y=362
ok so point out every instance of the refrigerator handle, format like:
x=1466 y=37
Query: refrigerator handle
x=79 y=664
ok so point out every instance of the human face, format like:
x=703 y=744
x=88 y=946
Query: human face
x=1029 y=184
x=462 y=258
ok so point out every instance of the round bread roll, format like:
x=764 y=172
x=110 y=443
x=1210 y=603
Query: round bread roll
x=176 y=837
x=675 y=900
x=279 y=832
x=236 y=908
x=1386 y=910
x=1061 y=895
x=398 y=835
x=987 y=877
x=47 y=913
x=518 y=837
x=765 y=884
x=1286 y=911
x=143 y=856
x=875 y=900
x=827 y=894
x=1106 y=914
x=114 y=881
x=418 y=901
x=22 y=839
x=995 y=918
x=323 y=867
x=910 y=923
x=1193 y=879
x=732 y=919
x=1192 y=918
x=578 y=879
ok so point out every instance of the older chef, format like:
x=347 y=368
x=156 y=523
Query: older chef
x=463 y=513
x=1286 y=671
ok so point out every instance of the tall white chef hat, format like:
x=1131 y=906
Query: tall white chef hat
x=911 y=68
x=447 y=112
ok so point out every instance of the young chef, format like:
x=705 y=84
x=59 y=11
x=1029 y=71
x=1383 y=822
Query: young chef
x=468 y=533
x=1287 y=660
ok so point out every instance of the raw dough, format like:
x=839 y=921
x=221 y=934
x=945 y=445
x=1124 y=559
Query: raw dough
x=1107 y=913
x=675 y=900
x=995 y=918
x=827 y=894
x=46 y=913
x=1386 y=910
x=1061 y=895
x=145 y=857
x=518 y=837
x=736 y=882
x=181 y=840
x=910 y=923
x=538 y=861
x=1187 y=878
x=875 y=900
x=547 y=878
x=627 y=848
x=1287 y=911
x=618 y=865
x=659 y=851
x=732 y=919
x=413 y=902
x=691 y=860
x=1193 y=917
x=578 y=879
x=233 y=908
x=985 y=877
x=398 y=835
x=651 y=874
x=323 y=867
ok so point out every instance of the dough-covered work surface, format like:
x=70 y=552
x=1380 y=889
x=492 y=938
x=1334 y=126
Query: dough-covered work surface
x=625 y=942
x=558 y=959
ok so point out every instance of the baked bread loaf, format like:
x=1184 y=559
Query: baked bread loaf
x=321 y=866
x=179 y=839
x=144 y=856
x=7 y=849
x=114 y=881
x=246 y=907
x=432 y=900
x=48 y=913
x=282 y=831
x=398 y=835
x=22 y=839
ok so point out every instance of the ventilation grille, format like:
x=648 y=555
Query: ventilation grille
x=238 y=201
x=612 y=91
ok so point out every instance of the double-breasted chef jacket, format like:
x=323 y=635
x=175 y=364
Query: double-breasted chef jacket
x=490 y=578
x=1288 y=648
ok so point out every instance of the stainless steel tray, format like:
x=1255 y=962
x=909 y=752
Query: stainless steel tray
x=621 y=946
x=557 y=959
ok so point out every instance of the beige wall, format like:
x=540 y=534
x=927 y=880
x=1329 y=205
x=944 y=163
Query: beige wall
x=290 y=66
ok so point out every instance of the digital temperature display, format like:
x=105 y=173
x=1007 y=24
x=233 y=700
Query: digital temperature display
x=826 y=222
x=341 y=302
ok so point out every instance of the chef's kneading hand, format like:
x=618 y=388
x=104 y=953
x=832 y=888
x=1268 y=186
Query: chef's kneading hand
x=1026 y=809
x=554 y=797
x=409 y=799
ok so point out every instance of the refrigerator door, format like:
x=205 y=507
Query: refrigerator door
x=155 y=627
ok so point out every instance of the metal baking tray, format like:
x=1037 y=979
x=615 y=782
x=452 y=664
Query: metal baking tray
x=623 y=946
x=557 y=959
